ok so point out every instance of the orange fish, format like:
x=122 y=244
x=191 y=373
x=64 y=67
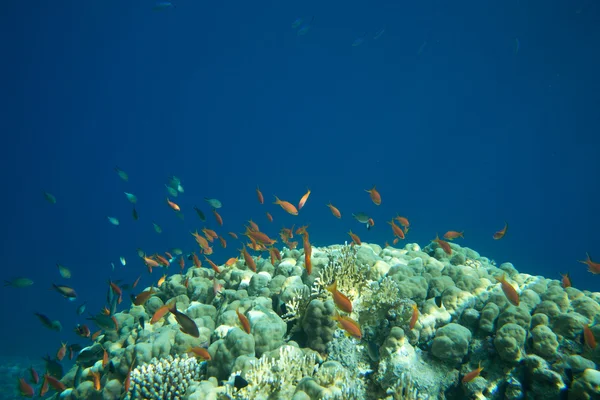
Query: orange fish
x=169 y=255
x=55 y=383
x=395 y=241
x=375 y=196
x=402 y=221
x=44 y=388
x=105 y=359
x=340 y=299
x=136 y=282
x=161 y=312
x=161 y=280
x=186 y=283
x=566 y=280
x=218 y=217
x=451 y=235
x=96 y=334
x=200 y=352
x=414 y=317
x=162 y=261
x=396 y=229
x=223 y=242
x=370 y=223
x=231 y=261
x=127 y=382
x=269 y=217
x=473 y=374
x=96 y=380
x=287 y=206
x=233 y=235
x=303 y=200
x=253 y=226
x=509 y=291
x=197 y=262
x=259 y=237
x=500 y=234
x=143 y=297
x=210 y=233
x=62 y=351
x=25 y=388
x=213 y=265
x=593 y=267
x=181 y=263
x=243 y=320
x=117 y=290
x=443 y=244
x=355 y=238
x=248 y=258
x=259 y=194
x=174 y=206
x=35 y=378
x=336 y=213
x=588 y=337
x=349 y=325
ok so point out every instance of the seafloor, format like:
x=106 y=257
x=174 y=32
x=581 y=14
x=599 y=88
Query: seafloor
x=296 y=350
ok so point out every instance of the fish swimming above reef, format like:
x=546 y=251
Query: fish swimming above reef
x=50 y=198
x=187 y=325
x=122 y=174
x=63 y=271
x=214 y=203
x=53 y=367
x=66 y=291
x=48 y=323
x=19 y=283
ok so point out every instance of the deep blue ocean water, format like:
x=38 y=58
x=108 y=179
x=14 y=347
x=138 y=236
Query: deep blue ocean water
x=458 y=130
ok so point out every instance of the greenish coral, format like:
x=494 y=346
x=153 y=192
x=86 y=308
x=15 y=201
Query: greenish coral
x=509 y=342
x=451 y=343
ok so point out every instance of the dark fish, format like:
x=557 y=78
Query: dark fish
x=142 y=323
x=187 y=325
x=373 y=350
x=134 y=213
x=111 y=367
x=50 y=198
x=81 y=309
x=438 y=300
x=239 y=382
x=103 y=322
x=66 y=291
x=77 y=379
x=200 y=214
x=89 y=355
x=53 y=368
x=48 y=323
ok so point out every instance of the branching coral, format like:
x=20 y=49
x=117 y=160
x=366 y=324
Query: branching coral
x=344 y=269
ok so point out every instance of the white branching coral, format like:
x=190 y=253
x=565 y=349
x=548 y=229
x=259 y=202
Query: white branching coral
x=277 y=377
x=164 y=379
x=344 y=269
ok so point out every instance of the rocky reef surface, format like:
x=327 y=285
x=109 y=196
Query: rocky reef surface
x=296 y=350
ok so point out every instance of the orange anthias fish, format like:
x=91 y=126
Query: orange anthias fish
x=55 y=383
x=287 y=206
x=349 y=325
x=303 y=199
x=244 y=321
x=259 y=194
x=443 y=244
x=259 y=237
x=565 y=281
x=336 y=213
x=197 y=262
x=233 y=235
x=213 y=265
x=588 y=337
x=414 y=317
x=473 y=374
x=161 y=280
x=218 y=217
x=200 y=352
x=62 y=351
x=223 y=242
x=116 y=290
x=402 y=221
x=35 y=378
x=161 y=312
x=396 y=229
x=509 y=291
x=593 y=267
x=25 y=388
x=248 y=259
x=96 y=380
x=269 y=217
x=375 y=196
x=355 y=238
x=174 y=206
x=451 y=235
x=500 y=234
x=44 y=388
x=340 y=299
x=143 y=297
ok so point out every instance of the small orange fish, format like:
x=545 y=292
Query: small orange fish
x=287 y=206
x=253 y=226
x=218 y=217
x=25 y=388
x=231 y=261
x=96 y=380
x=451 y=235
x=375 y=196
x=162 y=261
x=62 y=351
x=95 y=335
x=44 y=388
x=303 y=199
x=588 y=337
x=200 y=352
x=243 y=320
x=174 y=206
x=402 y=221
x=395 y=241
x=105 y=359
x=213 y=265
x=349 y=325
x=116 y=290
x=355 y=238
x=143 y=297
x=161 y=312
x=443 y=244
x=509 y=291
x=269 y=217
x=370 y=223
x=336 y=213
x=259 y=194
x=55 y=383
x=136 y=282
x=161 y=280
x=169 y=255
x=500 y=234
x=127 y=382
x=396 y=229
x=340 y=299
x=566 y=280
x=473 y=374
x=186 y=283
x=181 y=263
x=35 y=378
x=593 y=267
x=414 y=317
x=223 y=242
x=233 y=235
x=248 y=259
x=197 y=262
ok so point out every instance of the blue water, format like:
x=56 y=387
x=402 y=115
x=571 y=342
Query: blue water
x=457 y=130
